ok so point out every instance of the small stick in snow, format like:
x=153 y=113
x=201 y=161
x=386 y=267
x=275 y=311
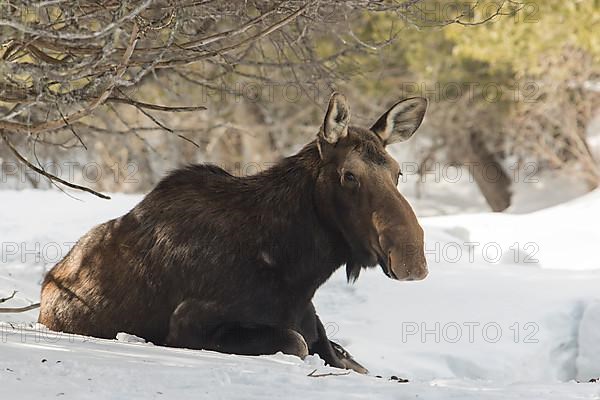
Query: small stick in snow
x=16 y=309
x=9 y=297
x=19 y=309
x=313 y=375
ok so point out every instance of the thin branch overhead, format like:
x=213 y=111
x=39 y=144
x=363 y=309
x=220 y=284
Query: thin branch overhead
x=61 y=62
x=48 y=175
x=77 y=54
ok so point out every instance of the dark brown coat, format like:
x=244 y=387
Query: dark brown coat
x=208 y=260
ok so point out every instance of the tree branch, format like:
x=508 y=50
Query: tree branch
x=314 y=375
x=5 y=299
x=19 y=309
x=155 y=107
x=48 y=175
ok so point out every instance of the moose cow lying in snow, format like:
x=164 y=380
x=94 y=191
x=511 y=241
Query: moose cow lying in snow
x=212 y=261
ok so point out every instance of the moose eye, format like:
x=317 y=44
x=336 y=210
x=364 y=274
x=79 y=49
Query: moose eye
x=349 y=177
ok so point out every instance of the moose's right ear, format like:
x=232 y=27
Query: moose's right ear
x=335 y=125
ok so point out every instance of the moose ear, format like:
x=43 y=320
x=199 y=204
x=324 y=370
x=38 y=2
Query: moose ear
x=401 y=121
x=335 y=125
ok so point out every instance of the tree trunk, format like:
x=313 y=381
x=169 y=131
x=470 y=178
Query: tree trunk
x=493 y=181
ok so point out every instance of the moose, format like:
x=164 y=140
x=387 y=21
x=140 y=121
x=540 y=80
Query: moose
x=212 y=261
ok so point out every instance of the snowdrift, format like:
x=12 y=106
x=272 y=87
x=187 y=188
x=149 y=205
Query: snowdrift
x=511 y=309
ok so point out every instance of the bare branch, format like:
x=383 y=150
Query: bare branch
x=51 y=177
x=5 y=299
x=313 y=374
x=155 y=107
x=19 y=309
x=61 y=122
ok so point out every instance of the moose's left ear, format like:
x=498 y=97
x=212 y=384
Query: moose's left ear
x=401 y=121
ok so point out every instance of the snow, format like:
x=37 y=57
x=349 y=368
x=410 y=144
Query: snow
x=588 y=355
x=515 y=316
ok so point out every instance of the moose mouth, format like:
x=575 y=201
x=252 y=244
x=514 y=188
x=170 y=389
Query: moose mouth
x=385 y=267
x=411 y=274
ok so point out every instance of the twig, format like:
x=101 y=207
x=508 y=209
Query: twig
x=16 y=309
x=224 y=50
x=154 y=106
x=160 y=124
x=313 y=375
x=232 y=32
x=19 y=309
x=49 y=175
x=9 y=297
x=59 y=123
x=28 y=29
x=70 y=127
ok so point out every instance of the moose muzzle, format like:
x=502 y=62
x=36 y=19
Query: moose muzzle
x=402 y=253
x=406 y=262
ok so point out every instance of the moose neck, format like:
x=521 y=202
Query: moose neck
x=307 y=248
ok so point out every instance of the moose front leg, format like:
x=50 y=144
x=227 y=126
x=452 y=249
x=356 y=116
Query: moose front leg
x=206 y=326
x=332 y=353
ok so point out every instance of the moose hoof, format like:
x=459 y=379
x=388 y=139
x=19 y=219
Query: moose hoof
x=350 y=363
x=295 y=344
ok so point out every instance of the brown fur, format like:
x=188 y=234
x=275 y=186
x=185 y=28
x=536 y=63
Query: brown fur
x=209 y=260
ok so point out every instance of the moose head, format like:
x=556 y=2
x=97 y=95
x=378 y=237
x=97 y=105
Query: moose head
x=358 y=194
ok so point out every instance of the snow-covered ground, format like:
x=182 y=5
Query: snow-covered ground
x=510 y=310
